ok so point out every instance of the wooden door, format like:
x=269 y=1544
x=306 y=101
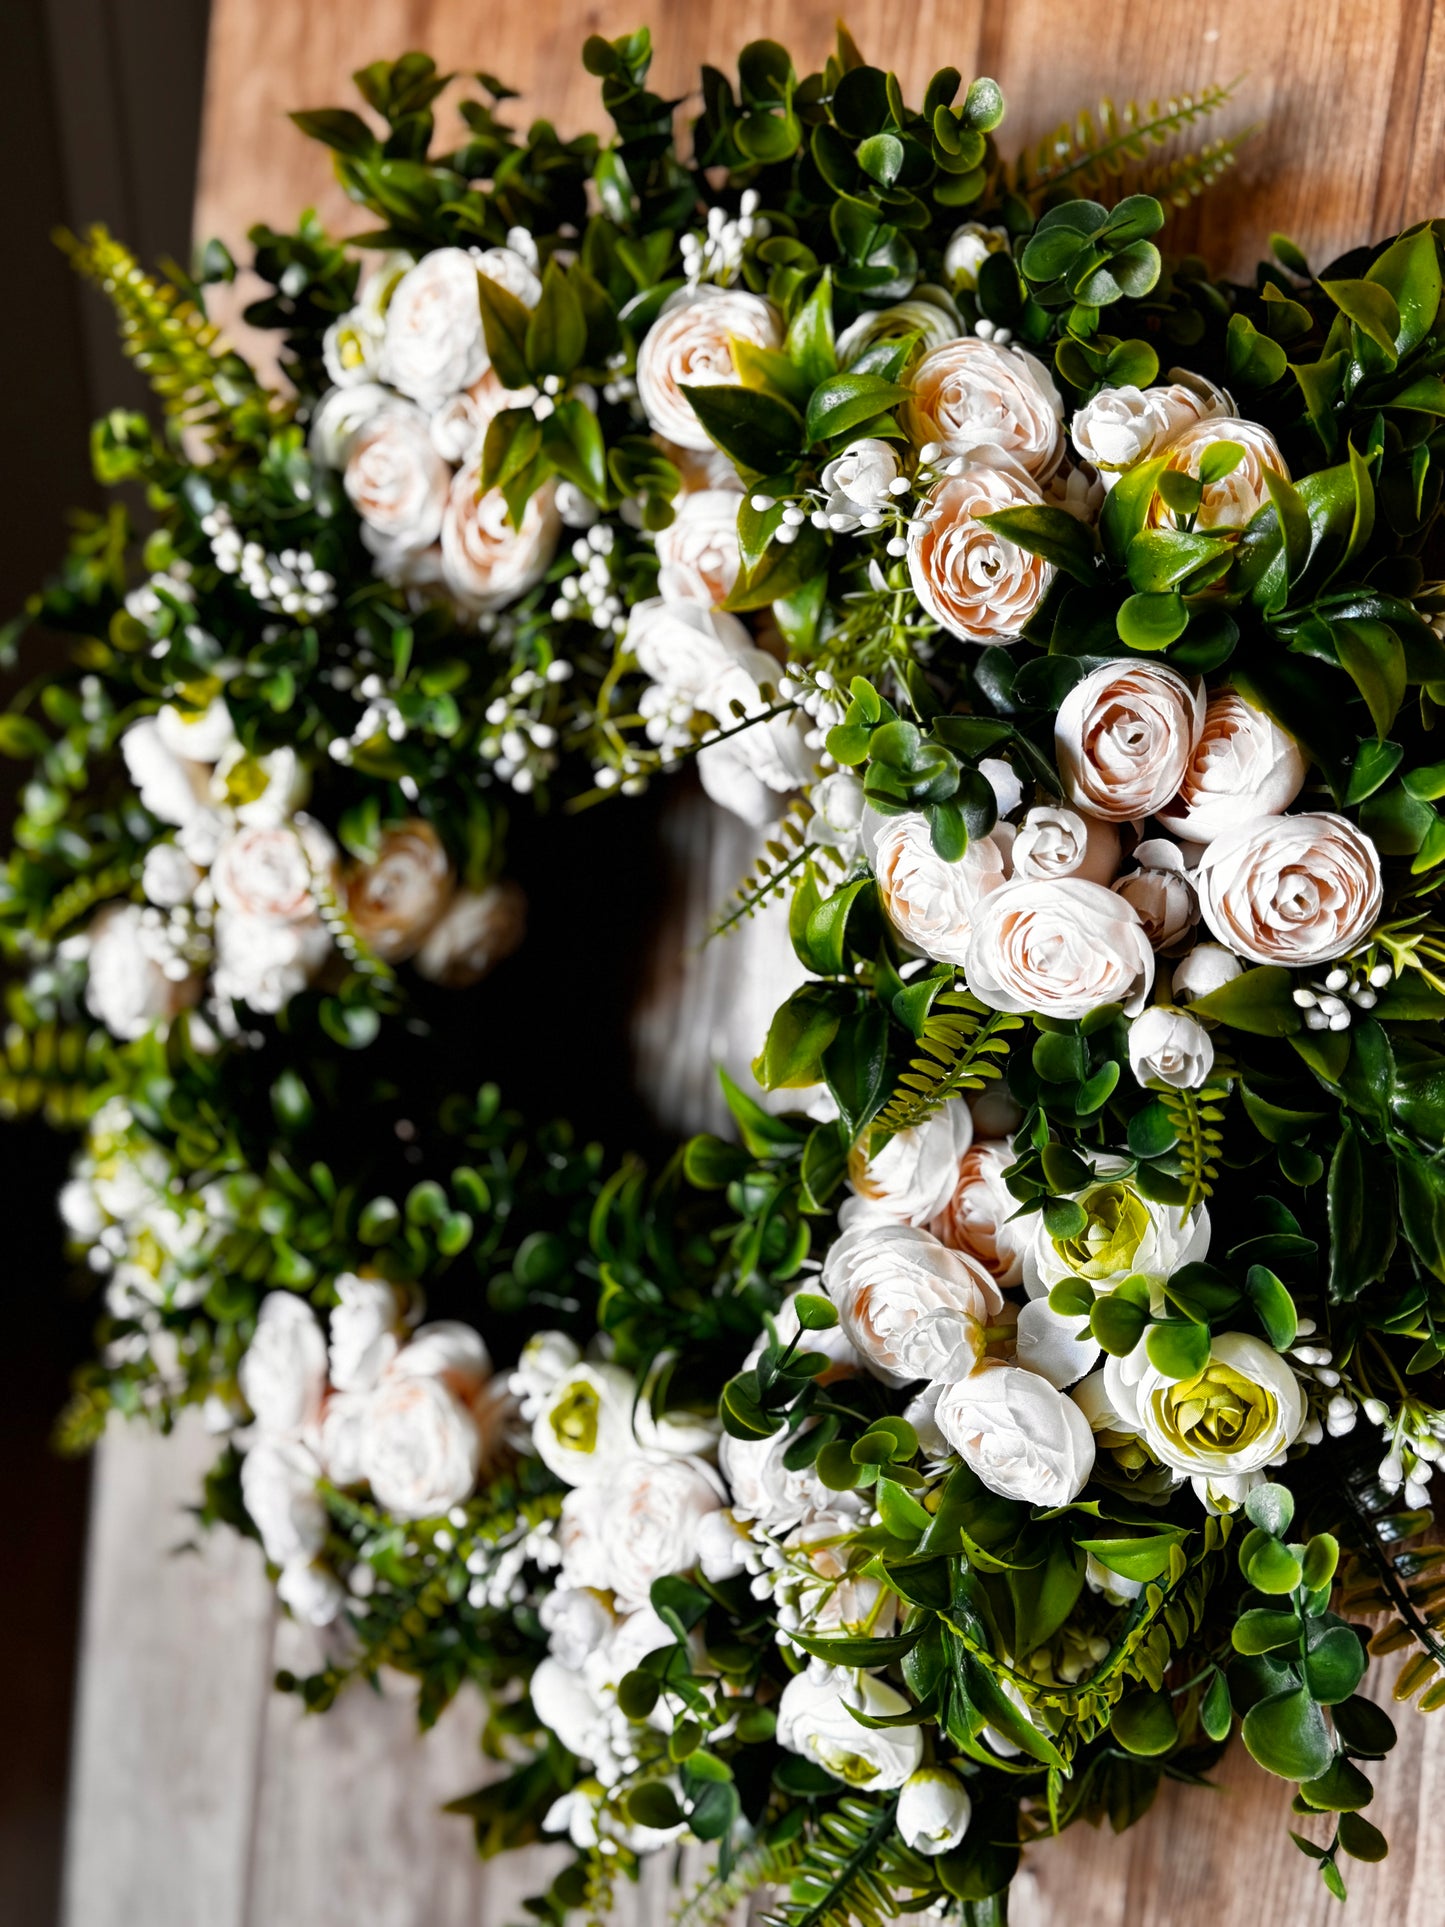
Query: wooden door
x=202 y=1799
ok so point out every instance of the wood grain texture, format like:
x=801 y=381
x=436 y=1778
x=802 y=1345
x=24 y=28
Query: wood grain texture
x=202 y=1800
x=1347 y=97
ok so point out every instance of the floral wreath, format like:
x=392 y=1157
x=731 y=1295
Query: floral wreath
x=1049 y=1371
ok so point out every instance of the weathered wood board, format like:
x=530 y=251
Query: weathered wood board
x=201 y=1799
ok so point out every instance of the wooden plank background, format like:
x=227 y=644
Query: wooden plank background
x=200 y=1798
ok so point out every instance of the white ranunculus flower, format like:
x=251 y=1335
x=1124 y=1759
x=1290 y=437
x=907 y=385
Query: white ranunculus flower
x=1125 y=1234
x=698 y=550
x=1208 y=966
x=914 y=1174
x=911 y=1307
x=339 y=418
x=429 y=1422
x=814 y=1721
x=260 y=792
x=486 y=561
x=578 y=1621
x=168 y=876
x=1003 y=779
x=857 y=483
x=968 y=248
x=1161 y=892
x=368 y=1328
x=1024 y=1438
x=1221 y=1427
x=641 y=1524
x=472 y=935
x=1057 y=842
x=583 y=1426
x=934 y=1808
x=513 y=267
x=80 y=1211
x=546 y=1359
x=311 y=1591
x=459 y=427
x=975 y=1219
x=127 y=987
x=1292 y=890
x=274 y=874
x=972 y=395
x=394 y=900
x=1167 y=1047
x=263 y=963
x=351 y=347
x=197 y=735
x=1058 y=950
x=1123 y=738
x=1230 y=502
x=760 y=1486
x=397 y=482
x=837 y=820
x=1122 y=426
x=1243 y=766
x=685 y=646
x=929 y=314
x=1053 y=1344
x=752 y=767
x=279 y=1489
x=976 y=584
x=565 y=1705
x=172 y=788
x=724 y=1546
x=688 y=346
x=434 y=343
x=283 y=1374
x=932 y=902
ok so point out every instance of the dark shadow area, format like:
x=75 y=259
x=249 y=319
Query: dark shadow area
x=101 y=121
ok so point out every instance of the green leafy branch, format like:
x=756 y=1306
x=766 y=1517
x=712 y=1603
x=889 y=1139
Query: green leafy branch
x=855 y=1871
x=1093 y=148
x=963 y=1045
x=1394 y=1572
x=202 y=384
x=1197 y=1117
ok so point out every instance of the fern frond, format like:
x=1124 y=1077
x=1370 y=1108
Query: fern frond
x=55 y=1068
x=963 y=1046
x=1391 y=1570
x=783 y=857
x=764 y=1864
x=1183 y=177
x=1095 y=147
x=855 y=1871
x=1196 y=1117
x=201 y=383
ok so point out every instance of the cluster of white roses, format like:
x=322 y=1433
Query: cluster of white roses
x=932 y=1241
x=251 y=892
x=1073 y=907
x=416 y=1416
x=700 y=660
x=414 y=394
x=640 y=1491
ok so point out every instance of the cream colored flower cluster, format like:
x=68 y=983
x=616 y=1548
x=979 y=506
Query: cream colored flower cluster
x=934 y=1238
x=415 y=1416
x=699 y=660
x=1073 y=907
x=407 y=418
x=248 y=901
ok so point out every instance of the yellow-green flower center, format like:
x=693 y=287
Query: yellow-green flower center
x=574 y=1417
x=1118 y=1221
x=844 y=1763
x=1218 y=1410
